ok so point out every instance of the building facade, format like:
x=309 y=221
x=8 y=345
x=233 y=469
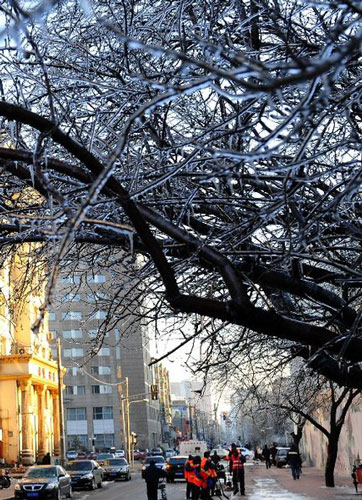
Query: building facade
x=29 y=398
x=99 y=355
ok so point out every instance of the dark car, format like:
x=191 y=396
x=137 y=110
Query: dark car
x=117 y=468
x=281 y=457
x=44 y=481
x=156 y=452
x=102 y=457
x=159 y=462
x=175 y=468
x=85 y=474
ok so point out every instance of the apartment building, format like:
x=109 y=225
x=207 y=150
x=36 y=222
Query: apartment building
x=99 y=354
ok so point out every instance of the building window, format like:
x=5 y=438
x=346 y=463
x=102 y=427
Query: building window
x=72 y=315
x=94 y=333
x=71 y=297
x=100 y=370
x=74 y=370
x=51 y=316
x=72 y=334
x=101 y=389
x=76 y=414
x=104 y=351
x=96 y=296
x=77 y=390
x=118 y=352
x=96 y=278
x=78 y=442
x=76 y=352
x=103 y=413
x=104 y=441
x=99 y=315
x=69 y=280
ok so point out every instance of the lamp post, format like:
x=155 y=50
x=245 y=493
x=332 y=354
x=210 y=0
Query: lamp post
x=130 y=442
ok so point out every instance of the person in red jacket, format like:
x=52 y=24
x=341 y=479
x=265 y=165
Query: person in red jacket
x=195 y=477
x=236 y=467
x=186 y=474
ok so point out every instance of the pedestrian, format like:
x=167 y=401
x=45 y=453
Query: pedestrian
x=215 y=458
x=295 y=461
x=46 y=459
x=208 y=472
x=273 y=452
x=266 y=456
x=186 y=474
x=152 y=476
x=195 y=477
x=236 y=468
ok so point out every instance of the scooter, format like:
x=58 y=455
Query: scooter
x=5 y=480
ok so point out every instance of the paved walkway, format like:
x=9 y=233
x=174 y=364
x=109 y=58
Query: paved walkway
x=278 y=484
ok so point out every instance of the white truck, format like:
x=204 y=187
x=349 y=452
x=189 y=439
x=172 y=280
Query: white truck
x=193 y=447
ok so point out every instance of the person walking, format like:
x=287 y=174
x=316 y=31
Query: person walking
x=236 y=468
x=273 y=452
x=152 y=476
x=215 y=458
x=46 y=459
x=186 y=474
x=195 y=477
x=295 y=461
x=266 y=456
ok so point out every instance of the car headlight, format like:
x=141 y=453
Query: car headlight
x=143 y=468
x=17 y=487
x=123 y=469
x=50 y=486
x=87 y=476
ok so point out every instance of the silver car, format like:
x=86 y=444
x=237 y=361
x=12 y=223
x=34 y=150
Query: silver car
x=116 y=468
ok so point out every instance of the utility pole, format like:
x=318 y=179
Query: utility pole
x=61 y=403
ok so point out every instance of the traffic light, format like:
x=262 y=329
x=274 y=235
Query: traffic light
x=154 y=392
x=134 y=438
x=224 y=416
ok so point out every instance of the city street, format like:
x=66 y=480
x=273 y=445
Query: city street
x=261 y=484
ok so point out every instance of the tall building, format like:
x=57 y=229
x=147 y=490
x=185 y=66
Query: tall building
x=29 y=398
x=100 y=353
x=162 y=381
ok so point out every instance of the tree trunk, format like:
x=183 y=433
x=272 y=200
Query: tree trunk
x=332 y=450
x=298 y=435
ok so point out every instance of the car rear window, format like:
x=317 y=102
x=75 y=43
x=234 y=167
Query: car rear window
x=157 y=460
x=117 y=461
x=177 y=461
x=79 y=466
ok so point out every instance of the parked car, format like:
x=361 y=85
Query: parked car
x=221 y=452
x=281 y=457
x=117 y=468
x=71 y=454
x=119 y=454
x=44 y=481
x=142 y=453
x=85 y=474
x=248 y=454
x=156 y=452
x=170 y=453
x=159 y=461
x=175 y=468
x=102 y=457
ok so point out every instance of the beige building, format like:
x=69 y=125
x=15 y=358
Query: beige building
x=29 y=399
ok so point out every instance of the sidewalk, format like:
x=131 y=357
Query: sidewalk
x=278 y=484
x=8 y=492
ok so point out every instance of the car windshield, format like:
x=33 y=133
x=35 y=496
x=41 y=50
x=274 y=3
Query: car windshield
x=79 y=466
x=282 y=452
x=177 y=460
x=42 y=472
x=104 y=456
x=157 y=460
x=117 y=461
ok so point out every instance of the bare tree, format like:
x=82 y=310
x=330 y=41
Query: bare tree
x=219 y=141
